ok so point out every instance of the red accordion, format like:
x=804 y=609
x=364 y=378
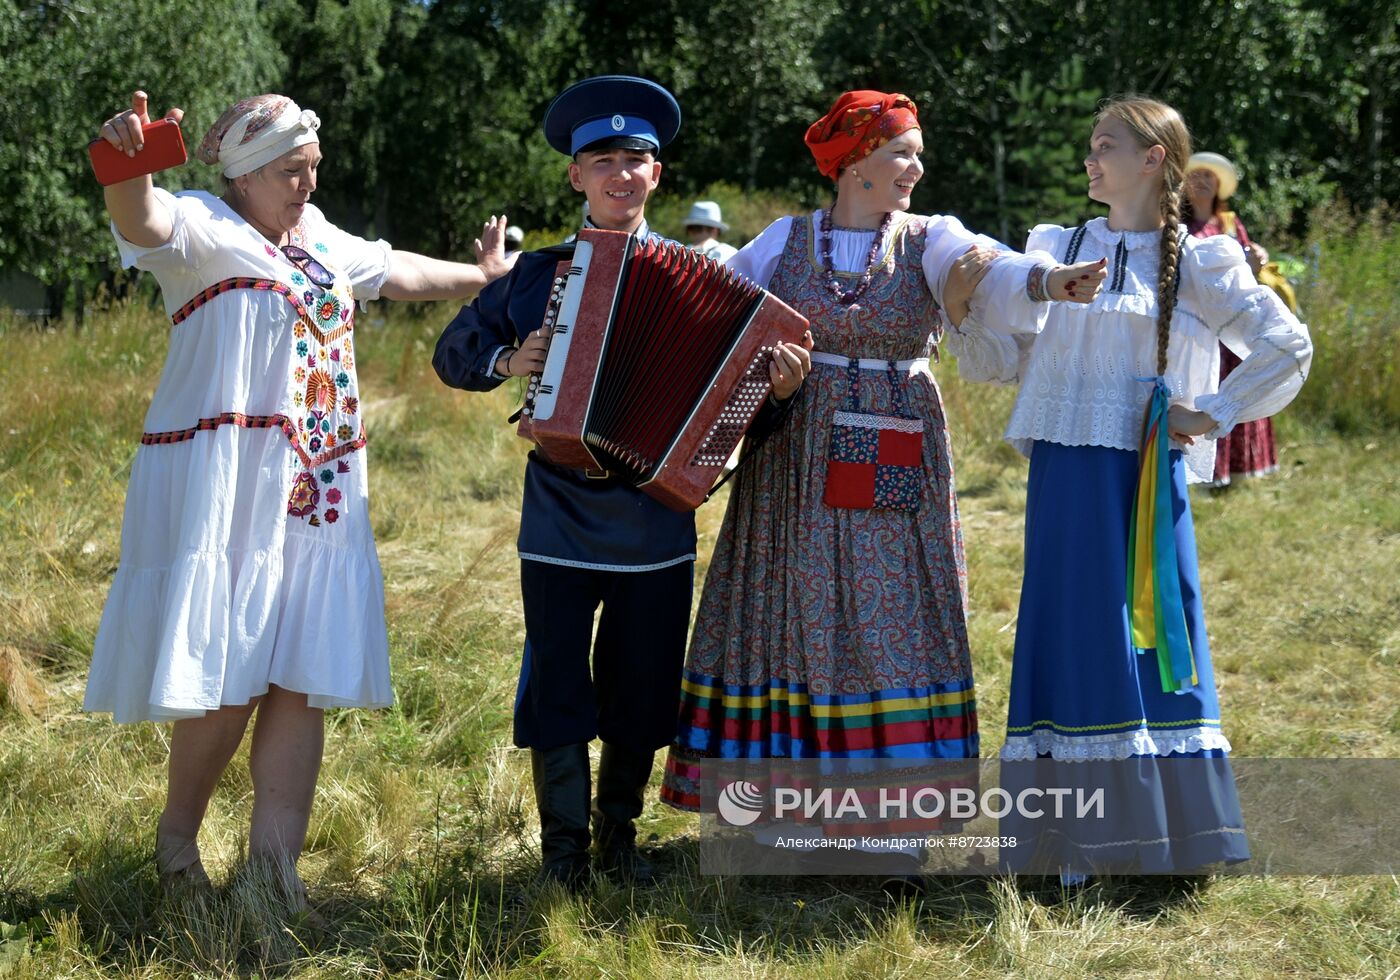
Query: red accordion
x=657 y=364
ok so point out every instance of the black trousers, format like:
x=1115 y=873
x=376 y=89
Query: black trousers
x=631 y=695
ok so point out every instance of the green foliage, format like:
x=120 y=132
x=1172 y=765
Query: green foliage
x=68 y=66
x=431 y=108
x=1301 y=94
x=1042 y=166
x=1351 y=302
x=462 y=113
x=748 y=78
x=337 y=60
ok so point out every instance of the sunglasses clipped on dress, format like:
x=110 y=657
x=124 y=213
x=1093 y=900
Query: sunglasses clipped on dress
x=314 y=270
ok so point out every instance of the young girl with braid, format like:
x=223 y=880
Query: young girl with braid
x=1087 y=680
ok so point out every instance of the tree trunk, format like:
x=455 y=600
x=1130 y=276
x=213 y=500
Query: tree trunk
x=1379 y=101
x=53 y=299
x=998 y=136
x=383 y=227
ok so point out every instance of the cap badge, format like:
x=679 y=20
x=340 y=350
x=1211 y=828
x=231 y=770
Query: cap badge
x=617 y=123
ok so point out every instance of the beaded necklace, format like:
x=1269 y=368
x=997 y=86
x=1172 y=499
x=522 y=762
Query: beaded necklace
x=829 y=272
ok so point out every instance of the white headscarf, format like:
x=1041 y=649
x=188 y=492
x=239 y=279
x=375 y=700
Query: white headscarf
x=259 y=131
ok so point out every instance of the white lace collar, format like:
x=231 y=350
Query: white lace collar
x=1132 y=240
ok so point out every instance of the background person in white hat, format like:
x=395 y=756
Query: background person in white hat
x=1211 y=180
x=703 y=226
x=1249 y=450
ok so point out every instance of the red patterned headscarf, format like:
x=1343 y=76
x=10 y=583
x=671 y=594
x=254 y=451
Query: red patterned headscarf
x=857 y=125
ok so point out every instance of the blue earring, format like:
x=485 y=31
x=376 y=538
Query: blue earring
x=866 y=185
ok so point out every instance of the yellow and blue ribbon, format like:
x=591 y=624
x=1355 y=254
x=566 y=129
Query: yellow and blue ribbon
x=1157 y=614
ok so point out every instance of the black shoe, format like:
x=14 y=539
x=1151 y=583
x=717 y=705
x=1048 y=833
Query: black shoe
x=561 y=794
x=572 y=876
x=622 y=781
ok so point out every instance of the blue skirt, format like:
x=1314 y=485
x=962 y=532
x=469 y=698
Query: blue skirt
x=1081 y=692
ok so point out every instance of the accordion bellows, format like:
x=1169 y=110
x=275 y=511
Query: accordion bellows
x=657 y=364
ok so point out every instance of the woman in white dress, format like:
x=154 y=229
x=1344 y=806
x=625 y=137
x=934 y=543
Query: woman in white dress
x=248 y=578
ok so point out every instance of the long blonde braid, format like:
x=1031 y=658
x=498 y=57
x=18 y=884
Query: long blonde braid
x=1154 y=123
x=1167 y=271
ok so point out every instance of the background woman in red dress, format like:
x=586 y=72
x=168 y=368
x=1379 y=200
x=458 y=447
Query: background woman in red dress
x=1211 y=180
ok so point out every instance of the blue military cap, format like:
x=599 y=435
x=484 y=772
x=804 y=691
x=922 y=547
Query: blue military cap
x=609 y=111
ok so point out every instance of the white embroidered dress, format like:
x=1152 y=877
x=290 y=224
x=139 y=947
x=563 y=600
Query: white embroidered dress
x=1080 y=376
x=247 y=557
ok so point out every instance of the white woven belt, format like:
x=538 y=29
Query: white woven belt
x=870 y=363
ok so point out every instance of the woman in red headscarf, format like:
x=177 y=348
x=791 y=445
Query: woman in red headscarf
x=833 y=621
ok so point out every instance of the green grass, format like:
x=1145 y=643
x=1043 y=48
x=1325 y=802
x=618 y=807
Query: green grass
x=423 y=838
x=1351 y=299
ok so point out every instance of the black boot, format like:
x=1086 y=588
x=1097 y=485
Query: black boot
x=622 y=783
x=561 y=794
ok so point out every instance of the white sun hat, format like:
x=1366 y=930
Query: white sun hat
x=705 y=213
x=1223 y=169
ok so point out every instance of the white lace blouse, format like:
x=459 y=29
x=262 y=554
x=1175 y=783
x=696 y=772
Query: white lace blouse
x=1081 y=374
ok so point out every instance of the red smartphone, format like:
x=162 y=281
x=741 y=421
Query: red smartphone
x=164 y=148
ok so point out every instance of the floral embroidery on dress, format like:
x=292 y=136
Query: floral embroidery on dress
x=320 y=421
x=305 y=496
x=325 y=389
x=320 y=389
x=328 y=309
